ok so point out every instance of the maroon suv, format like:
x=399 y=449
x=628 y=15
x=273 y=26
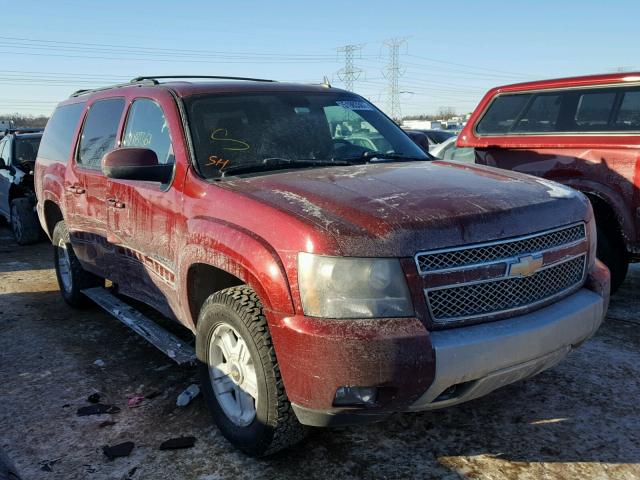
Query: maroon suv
x=326 y=283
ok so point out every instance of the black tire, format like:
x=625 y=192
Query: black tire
x=79 y=278
x=613 y=253
x=24 y=222
x=275 y=426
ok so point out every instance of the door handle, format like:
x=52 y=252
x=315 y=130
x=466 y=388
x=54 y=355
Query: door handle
x=75 y=189
x=112 y=202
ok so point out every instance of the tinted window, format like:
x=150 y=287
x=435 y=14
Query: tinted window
x=99 y=132
x=502 y=113
x=594 y=109
x=26 y=149
x=541 y=116
x=57 y=140
x=629 y=113
x=147 y=128
x=605 y=109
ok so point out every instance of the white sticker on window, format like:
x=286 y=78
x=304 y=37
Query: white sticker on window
x=354 y=105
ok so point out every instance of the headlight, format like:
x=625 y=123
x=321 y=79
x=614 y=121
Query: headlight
x=348 y=287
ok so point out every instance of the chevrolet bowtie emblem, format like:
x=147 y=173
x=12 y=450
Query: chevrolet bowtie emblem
x=525 y=266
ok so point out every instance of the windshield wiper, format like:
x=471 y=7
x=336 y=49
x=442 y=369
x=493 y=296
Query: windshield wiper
x=371 y=155
x=274 y=163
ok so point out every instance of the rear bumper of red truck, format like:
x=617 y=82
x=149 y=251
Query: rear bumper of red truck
x=412 y=369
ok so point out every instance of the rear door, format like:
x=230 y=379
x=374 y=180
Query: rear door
x=86 y=186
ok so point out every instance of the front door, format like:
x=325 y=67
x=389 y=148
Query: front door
x=142 y=214
x=86 y=186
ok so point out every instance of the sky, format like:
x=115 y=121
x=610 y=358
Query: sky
x=454 y=50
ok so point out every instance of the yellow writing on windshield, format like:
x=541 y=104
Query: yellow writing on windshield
x=220 y=135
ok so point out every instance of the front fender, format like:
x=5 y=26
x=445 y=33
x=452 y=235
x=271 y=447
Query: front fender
x=239 y=252
x=607 y=194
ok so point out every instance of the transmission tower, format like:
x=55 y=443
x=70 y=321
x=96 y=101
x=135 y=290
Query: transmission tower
x=350 y=72
x=392 y=73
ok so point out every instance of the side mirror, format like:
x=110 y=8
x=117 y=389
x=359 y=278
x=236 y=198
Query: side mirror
x=131 y=163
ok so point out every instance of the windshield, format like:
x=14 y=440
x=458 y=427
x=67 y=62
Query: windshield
x=299 y=129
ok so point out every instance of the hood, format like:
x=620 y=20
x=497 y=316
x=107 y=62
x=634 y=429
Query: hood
x=398 y=209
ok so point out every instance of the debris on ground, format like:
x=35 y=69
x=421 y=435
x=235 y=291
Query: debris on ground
x=97 y=409
x=99 y=362
x=135 y=401
x=178 y=443
x=191 y=392
x=119 y=450
x=106 y=423
x=46 y=465
x=94 y=398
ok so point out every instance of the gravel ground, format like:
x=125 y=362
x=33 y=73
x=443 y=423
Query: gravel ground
x=577 y=420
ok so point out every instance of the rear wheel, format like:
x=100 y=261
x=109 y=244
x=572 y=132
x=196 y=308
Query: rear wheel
x=240 y=376
x=613 y=253
x=24 y=222
x=72 y=278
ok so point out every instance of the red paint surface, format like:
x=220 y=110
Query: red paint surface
x=254 y=228
x=605 y=166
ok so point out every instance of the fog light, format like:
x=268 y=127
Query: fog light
x=355 y=396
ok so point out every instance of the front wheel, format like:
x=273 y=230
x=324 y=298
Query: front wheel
x=72 y=278
x=240 y=376
x=613 y=253
x=24 y=222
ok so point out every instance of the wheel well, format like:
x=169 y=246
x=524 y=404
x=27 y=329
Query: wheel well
x=204 y=280
x=52 y=215
x=606 y=216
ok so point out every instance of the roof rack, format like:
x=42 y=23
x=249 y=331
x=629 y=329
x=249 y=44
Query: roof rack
x=142 y=81
x=154 y=78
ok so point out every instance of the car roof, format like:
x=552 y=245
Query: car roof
x=582 y=81
x=187 y=88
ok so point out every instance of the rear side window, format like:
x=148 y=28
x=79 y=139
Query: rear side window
x=502 y=114
x=629 y=113
x=57 y=140
x=541 y=116
x=99 y=131
x=593 y=110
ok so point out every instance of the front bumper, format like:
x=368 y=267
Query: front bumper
x=419 y=370
x=475 y=360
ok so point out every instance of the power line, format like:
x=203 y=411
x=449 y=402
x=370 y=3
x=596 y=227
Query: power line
x=349 y=73
x=393 y=73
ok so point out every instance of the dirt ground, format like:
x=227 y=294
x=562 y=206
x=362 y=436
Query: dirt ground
x=578 y=420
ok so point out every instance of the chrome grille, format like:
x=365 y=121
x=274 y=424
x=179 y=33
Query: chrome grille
x=493 y=297
x=460 y=257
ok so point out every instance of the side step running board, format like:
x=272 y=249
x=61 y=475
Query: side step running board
x=165 y=341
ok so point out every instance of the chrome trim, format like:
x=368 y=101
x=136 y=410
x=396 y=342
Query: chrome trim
x=506 y=276
x=452 y=320
x=498 y=242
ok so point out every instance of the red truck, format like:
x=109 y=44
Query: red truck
x=326 y=283
x=583 y=132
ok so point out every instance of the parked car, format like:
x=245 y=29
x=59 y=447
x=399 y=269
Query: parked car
x=583 y=132
x=448 y=150
x=435 y=137
x=325 y=284
x=17 y=198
